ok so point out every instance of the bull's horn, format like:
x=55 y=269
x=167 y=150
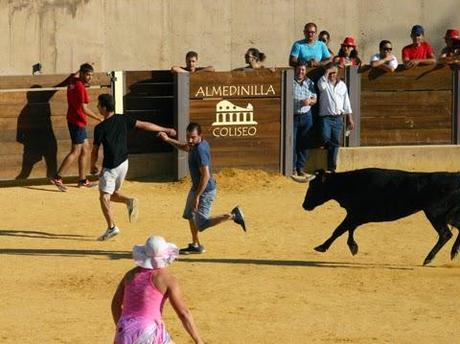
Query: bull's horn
x=311 y=177
x=299 y=179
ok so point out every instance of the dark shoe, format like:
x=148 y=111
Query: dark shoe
x=301 y=173
x=85 y=184
x=238 y=217
x=192 y=249
x=59 y=184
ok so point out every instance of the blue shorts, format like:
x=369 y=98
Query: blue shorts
x=201 y=216
x=77 y=134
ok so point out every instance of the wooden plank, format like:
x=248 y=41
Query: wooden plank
x=12 y=148
x=145 y=89
x=406 y=137
x=253 y=84
x=437 y=77
x=148 y=103
x=34 y=165
x=434 y=108
x=45 y=81
x=237 y=145
x=60 y=133
x=387 y=122
x=12 y=104
x=155 y=77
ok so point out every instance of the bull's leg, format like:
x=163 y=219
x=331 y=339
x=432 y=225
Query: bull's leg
x=440 y=225
x=453 y=218
x=455 y=247
x=346 y=225
x=351 y=242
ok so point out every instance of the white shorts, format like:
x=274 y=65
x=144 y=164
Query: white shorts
x=111 y=180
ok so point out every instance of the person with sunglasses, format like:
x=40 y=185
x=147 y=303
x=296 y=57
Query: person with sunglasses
x=419 y=51
x=384 y=59
x=348 y=55
x=309 y=51
x=450 y=54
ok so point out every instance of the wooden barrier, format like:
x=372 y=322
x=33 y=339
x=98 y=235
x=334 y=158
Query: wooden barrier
x=148 y=96
x=34 y=137
x=407 y=107
x=244 y=117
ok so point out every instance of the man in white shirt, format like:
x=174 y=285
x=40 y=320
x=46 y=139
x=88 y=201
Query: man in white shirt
x=334 y=104
x=384 y=59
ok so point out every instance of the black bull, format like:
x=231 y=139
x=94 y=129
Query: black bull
x=378 y=195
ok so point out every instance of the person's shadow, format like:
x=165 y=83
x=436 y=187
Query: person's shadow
x=35 y=132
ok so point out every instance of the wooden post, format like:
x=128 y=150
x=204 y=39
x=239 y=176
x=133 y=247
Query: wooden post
x=118 y=89
x=456 y=106
x=181 y=120
x=287 y=125
x=353 y=80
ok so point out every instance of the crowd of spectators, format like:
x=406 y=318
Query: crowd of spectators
x=334 y=109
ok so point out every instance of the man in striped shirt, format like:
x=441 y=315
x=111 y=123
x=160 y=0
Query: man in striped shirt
x=304 y=99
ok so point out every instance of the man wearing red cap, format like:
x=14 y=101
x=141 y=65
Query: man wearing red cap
x=419 y=52
x=451 y=53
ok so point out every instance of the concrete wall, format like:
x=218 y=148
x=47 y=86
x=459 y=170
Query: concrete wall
x=154 y=34
x=408 y=158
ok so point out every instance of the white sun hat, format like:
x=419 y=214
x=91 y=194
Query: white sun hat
x=155 y=254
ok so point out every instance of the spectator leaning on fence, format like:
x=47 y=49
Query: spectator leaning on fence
x=304 y=99
x=191 y=65
x=334 y=103
x=309 y=50
x=347 y=55
x=254 y=59
x=419 y=52
x=325 y=37
x=384 y=59
x=451 y=52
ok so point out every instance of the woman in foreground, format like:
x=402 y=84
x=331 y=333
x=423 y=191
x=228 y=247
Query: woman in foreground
x=138 y=301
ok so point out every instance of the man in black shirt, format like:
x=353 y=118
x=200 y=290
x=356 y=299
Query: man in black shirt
x=112 y=134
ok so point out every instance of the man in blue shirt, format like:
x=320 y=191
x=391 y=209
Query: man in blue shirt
x=309 y=51
x=203 y=192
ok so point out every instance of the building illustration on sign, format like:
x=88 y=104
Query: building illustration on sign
x=233 y=120
x=228 y=113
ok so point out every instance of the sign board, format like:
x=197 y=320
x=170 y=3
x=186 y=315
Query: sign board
x=240 y=113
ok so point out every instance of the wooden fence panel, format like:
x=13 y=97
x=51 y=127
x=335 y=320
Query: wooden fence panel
x=33 y=128
x=149 y=96
x=407 y=107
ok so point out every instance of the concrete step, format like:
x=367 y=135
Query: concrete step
x=409 y=158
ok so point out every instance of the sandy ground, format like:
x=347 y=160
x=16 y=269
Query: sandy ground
x=266 y=286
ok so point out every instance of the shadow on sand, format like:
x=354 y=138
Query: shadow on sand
x=43 y=235
x=239 y=261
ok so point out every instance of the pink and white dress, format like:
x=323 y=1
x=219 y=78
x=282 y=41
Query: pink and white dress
x=141 y=321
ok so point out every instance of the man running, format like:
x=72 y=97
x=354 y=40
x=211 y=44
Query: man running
x=203 y=192
x=112 y=134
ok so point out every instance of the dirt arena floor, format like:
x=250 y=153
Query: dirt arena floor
x=266 y=286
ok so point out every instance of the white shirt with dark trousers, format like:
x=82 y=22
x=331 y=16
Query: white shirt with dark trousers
x=333 y=100
x=333 y=103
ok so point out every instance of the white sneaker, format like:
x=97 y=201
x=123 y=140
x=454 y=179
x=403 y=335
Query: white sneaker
x=133 y=209
x=109 y=233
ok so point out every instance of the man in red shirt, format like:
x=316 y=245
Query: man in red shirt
x=419 y=52
x=77 y=119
